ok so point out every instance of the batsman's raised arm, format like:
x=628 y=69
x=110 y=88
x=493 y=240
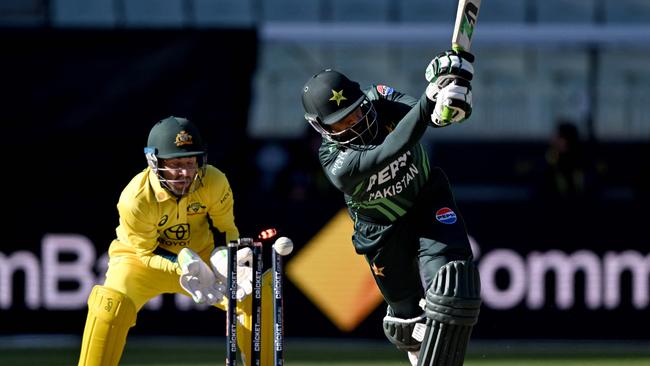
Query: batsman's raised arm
x=363 y=129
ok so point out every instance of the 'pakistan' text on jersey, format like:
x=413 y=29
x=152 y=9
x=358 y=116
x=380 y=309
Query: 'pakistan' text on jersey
x=382 y=181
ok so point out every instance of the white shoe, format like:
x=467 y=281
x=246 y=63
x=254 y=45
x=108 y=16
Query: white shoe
x=413 y=357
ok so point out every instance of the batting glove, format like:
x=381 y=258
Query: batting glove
x=219 y=262
x=450 y=64
x=198 y=280
x=453 y=102
x=449 y=75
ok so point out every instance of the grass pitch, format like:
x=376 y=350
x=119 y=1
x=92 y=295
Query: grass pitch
x=156 y=351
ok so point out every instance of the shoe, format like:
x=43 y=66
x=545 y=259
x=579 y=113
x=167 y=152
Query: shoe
x=413 y=357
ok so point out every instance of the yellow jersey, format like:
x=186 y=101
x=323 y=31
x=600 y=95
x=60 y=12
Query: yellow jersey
x=151 y=218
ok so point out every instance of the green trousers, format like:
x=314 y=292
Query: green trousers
x=405 y=255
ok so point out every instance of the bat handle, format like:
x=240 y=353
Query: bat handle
x=447 y=112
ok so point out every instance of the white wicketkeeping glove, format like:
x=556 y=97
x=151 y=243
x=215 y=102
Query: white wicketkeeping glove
x=198 y=280
x=449 y=75
x=219 y=262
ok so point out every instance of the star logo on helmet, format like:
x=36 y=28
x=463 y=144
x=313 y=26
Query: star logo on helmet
x=338 y=97
x=183 y=138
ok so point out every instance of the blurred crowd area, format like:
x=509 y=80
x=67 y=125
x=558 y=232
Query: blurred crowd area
x=555 y=57
x=209 y=13
x=561 y=91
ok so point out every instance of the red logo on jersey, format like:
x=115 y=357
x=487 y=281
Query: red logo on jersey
x=446 y=216
x=385 y=90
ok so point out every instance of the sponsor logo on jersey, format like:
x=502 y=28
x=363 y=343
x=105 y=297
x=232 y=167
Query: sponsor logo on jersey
x=385 y=90
x=446 y=215
x=178 y=232
x=163 y=220
x=338 y=163
x=392 y=179
x=226 y=196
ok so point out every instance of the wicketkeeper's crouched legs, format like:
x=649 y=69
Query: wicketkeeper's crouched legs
x=452 y=307
x=110 y=315
x=244 y=331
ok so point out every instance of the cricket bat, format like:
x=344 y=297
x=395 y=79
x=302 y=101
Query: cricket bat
x=461 y=40
x=466 y=17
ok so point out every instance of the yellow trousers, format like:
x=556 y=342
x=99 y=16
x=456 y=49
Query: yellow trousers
x=113 y=308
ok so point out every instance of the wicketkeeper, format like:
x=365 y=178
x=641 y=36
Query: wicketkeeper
x=406 y=222
x=170 y=216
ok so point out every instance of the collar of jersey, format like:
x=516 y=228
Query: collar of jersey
x=161 y=193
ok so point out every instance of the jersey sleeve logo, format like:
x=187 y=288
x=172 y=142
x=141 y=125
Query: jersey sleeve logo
x=385 y=90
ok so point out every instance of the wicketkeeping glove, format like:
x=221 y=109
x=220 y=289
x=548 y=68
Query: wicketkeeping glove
x=449 y=75
x=219 y=262
x=198 y=280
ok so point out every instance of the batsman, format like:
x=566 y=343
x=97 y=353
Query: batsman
x=406 y=221
x=170 y=217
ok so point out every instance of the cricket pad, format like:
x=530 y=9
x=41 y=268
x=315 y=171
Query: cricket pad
x=452 y=307
x=110 y=315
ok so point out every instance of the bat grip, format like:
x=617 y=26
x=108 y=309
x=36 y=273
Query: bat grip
x=446 y=114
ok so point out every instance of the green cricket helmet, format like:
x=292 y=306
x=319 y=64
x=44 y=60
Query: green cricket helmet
x=173 y=138
x=329 y=97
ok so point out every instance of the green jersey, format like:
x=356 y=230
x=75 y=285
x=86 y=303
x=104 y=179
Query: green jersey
x=382 y=181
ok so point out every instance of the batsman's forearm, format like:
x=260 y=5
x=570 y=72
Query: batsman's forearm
x=408 y=132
